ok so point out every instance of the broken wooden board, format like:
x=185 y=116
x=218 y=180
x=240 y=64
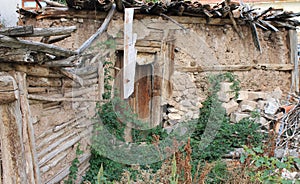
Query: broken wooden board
x=129 y=54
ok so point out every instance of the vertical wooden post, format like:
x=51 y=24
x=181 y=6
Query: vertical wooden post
x=294 y=59
x=32 y=170
x=12 y=152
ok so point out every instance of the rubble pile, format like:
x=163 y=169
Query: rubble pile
x=275 y=115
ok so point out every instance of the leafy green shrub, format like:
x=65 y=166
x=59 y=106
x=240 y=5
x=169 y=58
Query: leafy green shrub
x=229 y=135
x=218 y=174
x=267 y=169
x=112 y=170
x=212 y=114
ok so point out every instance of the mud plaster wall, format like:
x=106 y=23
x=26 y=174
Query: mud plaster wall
x=168 y=49
x=204 y=46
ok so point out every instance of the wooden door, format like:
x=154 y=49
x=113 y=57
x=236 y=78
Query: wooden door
x=141 y=100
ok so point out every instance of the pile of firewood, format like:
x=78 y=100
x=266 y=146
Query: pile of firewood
x=289 y=131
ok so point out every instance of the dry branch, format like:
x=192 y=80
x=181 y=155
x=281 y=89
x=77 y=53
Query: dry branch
x=53 y=3
x=102 y=28
x=79 y=92
x=21 y=56
x=44 y=82
x=65 y=124
x=91 y=76
x=64 y=172
x=38 y=3
x=58 y=39
x=54 y=162
x=55 y=143
x=29 y=31
x=48 y=140
x=86 y=70
x=53 y=31
x=72 y=76
x=63 y=147
x=70 y=61
x=289 y=134
x=17 y=31
x=71 y=84
x=6 y=41
x=61 y=12
x=174 y=21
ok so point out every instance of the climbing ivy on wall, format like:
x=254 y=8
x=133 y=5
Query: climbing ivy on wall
x=229 y=135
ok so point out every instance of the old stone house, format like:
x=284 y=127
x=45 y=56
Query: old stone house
x=52 y=78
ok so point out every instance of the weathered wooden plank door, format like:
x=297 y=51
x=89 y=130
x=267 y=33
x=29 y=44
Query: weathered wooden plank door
x=141 y=99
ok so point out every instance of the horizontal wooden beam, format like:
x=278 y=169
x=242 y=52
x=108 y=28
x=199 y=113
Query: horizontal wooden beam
x=142 y=43
x=53 y=31
x=29 y=31
x=21 y=56
x=31 y=70
x=61 y=99
x=276 y=67
x=17 y=31
x=57 y=12
x=68 y=62
x=141 y=49
x=6 y=41
x=193 y=19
